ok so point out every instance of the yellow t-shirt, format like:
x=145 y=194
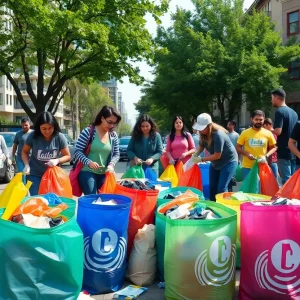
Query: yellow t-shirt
x=256 y=143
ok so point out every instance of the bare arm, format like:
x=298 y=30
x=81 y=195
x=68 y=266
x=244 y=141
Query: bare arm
x=66 y=156
x=212 y=157
x=241 y=151
x=14 y=149
x=277 y=131
x=272 y=150
x=293 y=148
x=25 y=154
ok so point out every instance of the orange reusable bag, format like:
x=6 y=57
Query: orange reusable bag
x=142 y=209
x=179 y=169
x=109 y=184
x=164 y=159
x=268 y=183
x=291 y=189
x=56 y=180
x=192 y=178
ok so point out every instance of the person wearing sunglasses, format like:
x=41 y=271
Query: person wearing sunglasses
x=104 y=150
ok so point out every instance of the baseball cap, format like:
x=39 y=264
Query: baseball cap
x=202 y=121
x=279 y=92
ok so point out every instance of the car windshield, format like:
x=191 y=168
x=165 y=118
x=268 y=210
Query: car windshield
x=69 y=140
x=9 y=139
x=124 y=141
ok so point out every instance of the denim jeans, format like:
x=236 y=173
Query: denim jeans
x=20 y=168
x=274 y=168
x=286 y=168
x=36 y=180
x=219 y=179
x=90 y=182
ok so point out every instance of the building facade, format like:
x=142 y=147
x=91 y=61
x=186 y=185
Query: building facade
x=111 y=87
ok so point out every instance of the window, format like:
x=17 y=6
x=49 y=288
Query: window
x=267 y=8
x=7 y=82
x=6 y=99
x=295 y=69
x=23 y=86
x=10 y=100
x=1 y=99
x=293 y=23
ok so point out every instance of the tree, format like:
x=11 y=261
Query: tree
x=217 y=56
x=123 y=129
x=56 y=40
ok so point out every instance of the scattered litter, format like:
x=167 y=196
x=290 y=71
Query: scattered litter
x=161 y=285
x=138 y=185
x=277 y=202
x=100 y=202
x=131 y=292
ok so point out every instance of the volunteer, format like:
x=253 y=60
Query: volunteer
x=180 y=144
x=46 y=143
x=255 y=143
x=104 y=150
x=294 y=143
x=223 y=156
x=145 y=145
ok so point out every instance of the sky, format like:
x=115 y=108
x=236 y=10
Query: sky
x=132 y=93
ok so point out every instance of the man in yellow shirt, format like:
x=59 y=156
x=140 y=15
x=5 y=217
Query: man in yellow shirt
x=255 y=143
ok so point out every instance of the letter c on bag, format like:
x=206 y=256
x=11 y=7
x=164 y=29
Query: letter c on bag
x=104 y=241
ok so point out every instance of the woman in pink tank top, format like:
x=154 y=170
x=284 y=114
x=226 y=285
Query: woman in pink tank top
x=180 y=144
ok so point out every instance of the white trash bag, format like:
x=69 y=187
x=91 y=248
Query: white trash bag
x=142 y=262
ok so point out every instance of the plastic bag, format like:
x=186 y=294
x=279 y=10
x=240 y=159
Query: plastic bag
x=188 y=165
x=192 y=178
x=41 y=263
x=239 y=173
x=170 y=175
x=150 y=174
x=142 y=261
x=164 y=159
x=56 y=180
x=109 y=184
x=251 y=182
x=134 y=172
x=179 y=169
x=268 y=182
x=291 y=189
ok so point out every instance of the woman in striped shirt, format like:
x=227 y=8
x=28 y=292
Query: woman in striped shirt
x=104 y=151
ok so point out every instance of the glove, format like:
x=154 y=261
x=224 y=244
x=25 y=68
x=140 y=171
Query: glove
x=110 y=169
x=196 y=159
x=26 y=169
x=262 y=159
x=9 y=162
x=52 y=162
x=171 y=161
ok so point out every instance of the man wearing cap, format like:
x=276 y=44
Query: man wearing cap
x=285 y=120
x=255 y=142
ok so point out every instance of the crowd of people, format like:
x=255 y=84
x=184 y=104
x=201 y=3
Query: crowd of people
x=97 y=148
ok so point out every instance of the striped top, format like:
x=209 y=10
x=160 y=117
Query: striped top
x=82 y=143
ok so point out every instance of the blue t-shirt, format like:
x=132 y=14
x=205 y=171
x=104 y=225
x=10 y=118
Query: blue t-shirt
x=19 y=140
x=285 y=118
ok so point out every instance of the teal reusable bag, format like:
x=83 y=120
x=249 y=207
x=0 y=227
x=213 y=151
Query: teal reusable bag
x=44 y=264
x=239 y=173
x=251 y=183
x=160 y=225
x=200 y=257
x=134 y=172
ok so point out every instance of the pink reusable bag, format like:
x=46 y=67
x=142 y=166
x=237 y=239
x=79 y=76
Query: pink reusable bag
x=270 y=252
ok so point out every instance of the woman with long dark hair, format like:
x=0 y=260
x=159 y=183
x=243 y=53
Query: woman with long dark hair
x=145 y=146
x=104 y=151
x=45 y=142
x=223 y=156
x=180 y=144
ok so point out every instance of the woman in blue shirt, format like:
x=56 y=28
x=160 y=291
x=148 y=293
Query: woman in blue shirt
x=145 y=146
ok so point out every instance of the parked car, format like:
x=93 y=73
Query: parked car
x=123 y=145
x=7 y=172
x=71 y=145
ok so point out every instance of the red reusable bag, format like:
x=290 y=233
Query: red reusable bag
x=164 y=160
x=109 y=184
x=56 y=180
x=268 y=183
x=142 y=209
x=179 y=169
x=192 y=178
x=291 y=189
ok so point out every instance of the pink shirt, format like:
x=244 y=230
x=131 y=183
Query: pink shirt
x=179 y=146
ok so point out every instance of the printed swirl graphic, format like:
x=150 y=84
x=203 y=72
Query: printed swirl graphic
x=104 y=261
x=219 y=275
x=285 y=259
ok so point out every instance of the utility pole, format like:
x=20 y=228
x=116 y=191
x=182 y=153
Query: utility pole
x=77 y=112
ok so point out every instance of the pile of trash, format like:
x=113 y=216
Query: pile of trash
x=138 y=185
x=277 y=202
x=240 y=196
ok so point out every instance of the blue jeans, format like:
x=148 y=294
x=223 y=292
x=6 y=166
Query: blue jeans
x=274 y=168
x=36 y=180
x=20 y=168
x=219 y=179
x=90 y=182
x=286 y=168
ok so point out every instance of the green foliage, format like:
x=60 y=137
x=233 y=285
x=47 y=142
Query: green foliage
x=123 y=129
x=90 y=39
x=5 y=121
x=216 y=55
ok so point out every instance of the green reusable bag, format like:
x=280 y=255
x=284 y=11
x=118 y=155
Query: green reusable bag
x=200 y=257
x=44 y=264
x=239 y=173
x=251 y=184
x=134 y=172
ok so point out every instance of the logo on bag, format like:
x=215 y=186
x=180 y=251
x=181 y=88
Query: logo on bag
x=108 y=251
x=217 y=266
x=284 y=259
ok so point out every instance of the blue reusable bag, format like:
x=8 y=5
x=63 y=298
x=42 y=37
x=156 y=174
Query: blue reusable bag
x=105 y=242
x=150 y=174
